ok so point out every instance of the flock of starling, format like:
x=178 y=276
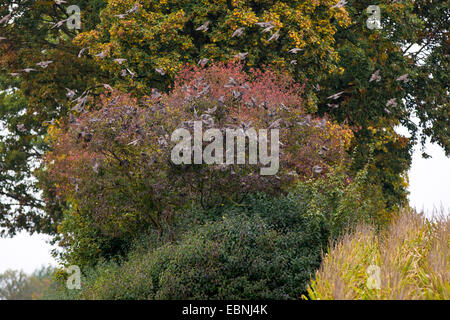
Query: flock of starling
x=265 y=28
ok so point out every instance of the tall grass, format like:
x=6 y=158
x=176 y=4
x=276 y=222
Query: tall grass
x=409 y=260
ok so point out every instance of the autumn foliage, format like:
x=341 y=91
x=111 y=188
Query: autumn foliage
x=113 y=163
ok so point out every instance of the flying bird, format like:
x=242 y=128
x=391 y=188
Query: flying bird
x=403 y=78
x=160 y=71
x=236 y=94
x=101 y=55
x=121 y=15
x=155 y=93
x=134 y=142
x=317 y=169
x=267 y=29
x=5 y=18
x=120 y=60
x=44 y=64
x=59 y=24
x=375 y=76
x=336 y=95
x=82 y=51
x=275 y=36
x=70 y=93
x=202 y=62
x=241 y=56
x=295 y=50
x=264 y=24
x=21 y=127
x=204 y=27
x=231 y=83
x=134 y=9
x=392 y=102
x=132 y=74
x=238 y=32
x=28 y=70
x=340 y=4
x=50 y=122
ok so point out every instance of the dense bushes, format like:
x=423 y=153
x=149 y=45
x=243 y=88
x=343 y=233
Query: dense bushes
x=263 y=248
x=408 y=261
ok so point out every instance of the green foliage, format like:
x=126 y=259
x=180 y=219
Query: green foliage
x=263 y=248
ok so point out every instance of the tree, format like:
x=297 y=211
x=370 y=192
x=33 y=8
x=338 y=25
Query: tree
x=17 y=285
x=113 y=166
x=335 y=52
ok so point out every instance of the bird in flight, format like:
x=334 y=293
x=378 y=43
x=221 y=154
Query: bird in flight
x=241 y=55
x=119 y=60
x=375 y=76
x=204 y=27
x=267 y=26
x=121 y=15
x=161 y=71
x=101 y=55
x=44 y=64
x=275 y=36
x=340 y=4
x=332 y=105
x=82 y=51
x=5 y=18
x=231 y=83
x=295 y=50
x=59 y=24
x=202 y=62
x=392 y=102
x=70 y=93
x=317 y=169
x=403 y=78
x=28 y=70
x=134 y=9
x=336 y=95
x=238 y=32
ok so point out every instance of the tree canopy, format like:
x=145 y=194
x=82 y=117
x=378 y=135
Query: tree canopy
x=369 y=79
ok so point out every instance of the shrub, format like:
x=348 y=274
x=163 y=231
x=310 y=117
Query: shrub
x=263 y=248
x=260 y=249
x=112 y=164
x=408 y=261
